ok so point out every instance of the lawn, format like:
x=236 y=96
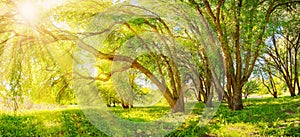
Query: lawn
x=261 y=117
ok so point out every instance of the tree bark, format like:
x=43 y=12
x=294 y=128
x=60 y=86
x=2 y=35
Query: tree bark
x=237 y=99
x=210 y=95
x=275 y=95
x=179 y=106
x=292 y=90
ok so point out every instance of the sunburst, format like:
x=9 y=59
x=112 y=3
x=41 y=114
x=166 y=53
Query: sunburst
x=28 y=11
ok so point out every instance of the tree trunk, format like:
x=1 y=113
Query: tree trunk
x=209 y=103
x=179 y=106
x=229 y=102
x=210 y=95
x=293 y=93
x=124 y=104
x=199 y=97
x=220 y=95
x=275 y=95
x=292 y=90
x=16 y=106
x=237 y=101
x=114 y=102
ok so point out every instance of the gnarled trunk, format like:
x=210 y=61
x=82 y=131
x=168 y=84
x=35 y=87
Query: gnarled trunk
x=179 y=106
x=236 y=101
x=292 y=91
x=290 y=87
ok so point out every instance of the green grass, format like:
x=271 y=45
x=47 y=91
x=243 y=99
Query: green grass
x=261 y=117
x=141 y=114
x=65 y=122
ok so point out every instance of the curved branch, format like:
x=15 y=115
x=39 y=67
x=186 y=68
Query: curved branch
x=134 y=64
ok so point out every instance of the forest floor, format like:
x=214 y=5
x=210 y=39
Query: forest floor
x=260 y=117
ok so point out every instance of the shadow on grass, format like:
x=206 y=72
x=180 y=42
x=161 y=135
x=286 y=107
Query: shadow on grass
x=260 y=117
x=57 y=123
x=72 y=122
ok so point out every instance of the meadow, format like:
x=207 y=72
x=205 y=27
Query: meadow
x=261 y=117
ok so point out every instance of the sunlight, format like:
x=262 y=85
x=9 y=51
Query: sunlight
x=28 y=11
x=48 y=4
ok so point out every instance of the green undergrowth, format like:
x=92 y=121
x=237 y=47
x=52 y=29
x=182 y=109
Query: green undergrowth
x=260 y=117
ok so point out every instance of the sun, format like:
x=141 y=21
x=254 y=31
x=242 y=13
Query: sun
x=28 y=11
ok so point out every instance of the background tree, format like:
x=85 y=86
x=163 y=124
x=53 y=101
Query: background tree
x=267 y=74
x=164 y=62
x=283 y=46
x=250 y=88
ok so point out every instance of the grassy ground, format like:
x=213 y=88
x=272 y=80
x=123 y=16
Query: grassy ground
x=261 y=117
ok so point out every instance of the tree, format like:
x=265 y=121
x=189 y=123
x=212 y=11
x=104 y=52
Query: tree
x=172 y=93
x=30 y=59
x=267 y=73
x=161 y=57
x=235 y=22
x=108 y=93
x=283 y=47
x=250 y=87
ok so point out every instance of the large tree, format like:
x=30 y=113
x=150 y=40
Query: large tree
x=241 y=26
